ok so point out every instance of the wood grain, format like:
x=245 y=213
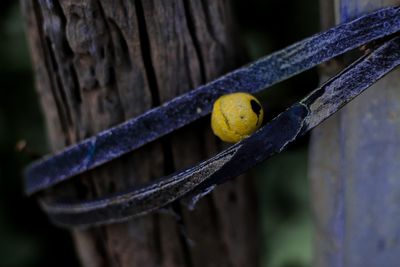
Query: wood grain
x=99 y=62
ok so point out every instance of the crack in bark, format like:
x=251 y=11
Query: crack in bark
x=208 y=22
x=113 y=89
x=63 y=117
x=65 y=85
x=66 y=49
x=213 y=213
x=196 y=43
x=157 y=240
x=100 y=245
x=183 y=238
x=146 y=53
x=120 y=39
x=166 y=145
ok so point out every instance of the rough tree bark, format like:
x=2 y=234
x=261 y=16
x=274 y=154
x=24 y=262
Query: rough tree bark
x=100 y=62
x=355 y=166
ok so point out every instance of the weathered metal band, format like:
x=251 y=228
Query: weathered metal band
x=269 y=140
x=189 y=107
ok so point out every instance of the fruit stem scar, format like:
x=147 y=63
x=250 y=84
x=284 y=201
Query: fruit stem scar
x=256 y=109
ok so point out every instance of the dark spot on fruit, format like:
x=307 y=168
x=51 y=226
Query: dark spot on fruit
x=255 y=107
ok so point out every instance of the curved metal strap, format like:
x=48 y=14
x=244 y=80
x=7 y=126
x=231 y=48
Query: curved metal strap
x=189 y=107
x=269 y=140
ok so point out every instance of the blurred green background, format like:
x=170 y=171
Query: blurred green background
x=26 y=236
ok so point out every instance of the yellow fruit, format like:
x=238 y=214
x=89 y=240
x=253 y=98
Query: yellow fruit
x=236 y=116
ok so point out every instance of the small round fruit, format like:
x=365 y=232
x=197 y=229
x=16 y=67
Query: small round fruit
x=236 y=116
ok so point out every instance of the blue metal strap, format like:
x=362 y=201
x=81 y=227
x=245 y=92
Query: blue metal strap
x=257 y=76
x=269 y=140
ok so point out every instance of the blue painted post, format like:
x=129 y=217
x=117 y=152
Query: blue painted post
x=355 y=169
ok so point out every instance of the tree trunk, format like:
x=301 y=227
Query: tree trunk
x=101 y=62
x=355 y=167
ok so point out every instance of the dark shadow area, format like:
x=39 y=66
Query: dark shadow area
x=27 y=238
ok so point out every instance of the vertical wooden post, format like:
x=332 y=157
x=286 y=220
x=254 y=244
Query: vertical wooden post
x=355 y=168
x=100 y=62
